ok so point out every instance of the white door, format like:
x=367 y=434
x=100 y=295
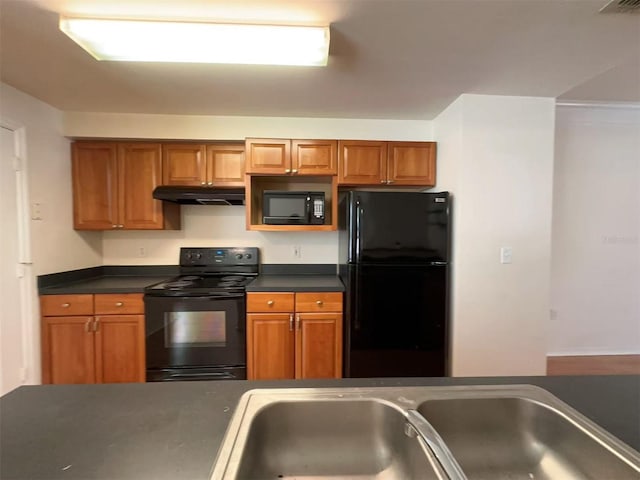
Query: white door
x=12 y=318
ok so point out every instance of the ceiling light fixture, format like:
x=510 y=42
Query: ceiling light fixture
x=154 y=41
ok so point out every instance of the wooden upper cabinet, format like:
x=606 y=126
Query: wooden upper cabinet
x=270 y=346
x=203 y=165
x=412 y=163
x=184 y=164
x=140 y=170
x=291 y=157
x=319 y=345
x=386 y=163
x=362 y=162
x=225 y=165
x=269 y=156
x=113 y=187
x=95 y=185
x=314 y=157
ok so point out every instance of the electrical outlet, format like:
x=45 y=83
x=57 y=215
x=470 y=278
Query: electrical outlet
x=142 y=252
x=506 y=255
x=297 y=251
x=36 y=211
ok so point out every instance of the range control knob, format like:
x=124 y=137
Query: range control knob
x=198 y=256
x=247 y=256
x=239 y=256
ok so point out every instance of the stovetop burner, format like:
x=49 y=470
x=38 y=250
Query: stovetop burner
x=207 y=271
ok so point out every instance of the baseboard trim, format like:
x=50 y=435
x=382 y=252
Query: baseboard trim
x=593 y=365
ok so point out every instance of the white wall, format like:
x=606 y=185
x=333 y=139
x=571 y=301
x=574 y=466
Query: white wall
x=220 y=226
x=595 y=275
x=55 y=245
x=203 y=127
x=496 y=155
x=217 y=226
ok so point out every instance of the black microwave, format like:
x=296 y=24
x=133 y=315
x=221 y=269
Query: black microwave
x=282 y=207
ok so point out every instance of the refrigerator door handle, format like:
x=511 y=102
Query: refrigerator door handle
x=356 y=303
x=358 y=228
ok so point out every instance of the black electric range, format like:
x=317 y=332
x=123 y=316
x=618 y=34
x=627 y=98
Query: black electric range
x=195 y=323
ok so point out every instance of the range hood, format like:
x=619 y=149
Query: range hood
x=200 y=195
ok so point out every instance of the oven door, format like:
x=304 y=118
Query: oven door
x=195 y=332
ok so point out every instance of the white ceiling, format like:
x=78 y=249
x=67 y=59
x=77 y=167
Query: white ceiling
x=397 y=59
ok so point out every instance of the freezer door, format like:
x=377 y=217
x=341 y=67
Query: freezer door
x=395 y=321
x=399 y=227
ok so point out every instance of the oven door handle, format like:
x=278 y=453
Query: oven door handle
x=209 y=297
x=176 y=377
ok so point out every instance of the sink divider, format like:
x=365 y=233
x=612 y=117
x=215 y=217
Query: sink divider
x=424 y=430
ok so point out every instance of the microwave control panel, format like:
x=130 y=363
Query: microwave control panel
x=318 y=209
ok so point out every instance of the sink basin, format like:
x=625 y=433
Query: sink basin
x=520 y=438
x=422 y=433
x=332 y=439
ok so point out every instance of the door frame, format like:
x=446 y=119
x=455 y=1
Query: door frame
x=30 y=332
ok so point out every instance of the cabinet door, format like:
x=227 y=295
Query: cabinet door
x=95 y=193
x=314 y=157
x=139 y=173
x=225 y=165
x=272 y=156
x=362 y=162
x=184 y=164
x=319 y=345
x=270 y=346
x=412 y=163
x=119 y=347
x=67 y=350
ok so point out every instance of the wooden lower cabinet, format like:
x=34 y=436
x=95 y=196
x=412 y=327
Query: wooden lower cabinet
x=67 y=350
x=92 y=348
x=319 y=345
x=298 y=344
x=119 y=348
x=271 y=346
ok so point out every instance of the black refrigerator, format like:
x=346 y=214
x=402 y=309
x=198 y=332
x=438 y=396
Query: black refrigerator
x=394 y=262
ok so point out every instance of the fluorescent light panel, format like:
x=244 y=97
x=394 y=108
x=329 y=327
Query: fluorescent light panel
x=151 y=41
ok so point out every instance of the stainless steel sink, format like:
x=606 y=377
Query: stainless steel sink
x=519 y=437
x=336 y=439
x=422 y=433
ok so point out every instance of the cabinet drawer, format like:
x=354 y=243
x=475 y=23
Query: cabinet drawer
x=319 y=302
x=270 y=302
x=66 y=305
x=119 y=303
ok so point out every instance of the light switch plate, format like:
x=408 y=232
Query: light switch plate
x=506 y=255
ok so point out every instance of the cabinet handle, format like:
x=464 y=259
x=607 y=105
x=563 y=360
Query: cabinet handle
x=210 y=183
x=65 y=305
x=294 y=171
x=114 y=226
x=269 y=302
x=96 y=324
x=383 y=181
x=87 y=326
x=389 y=182
x=298 y=322
x=288 y=170
x=291 y=322
x=203 y=183
x=119 y=304
x=319 y=303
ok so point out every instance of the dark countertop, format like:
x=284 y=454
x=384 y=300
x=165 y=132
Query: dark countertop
x=134 y=279
x=296 y=283
x=173 y=430
x=105 y=284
